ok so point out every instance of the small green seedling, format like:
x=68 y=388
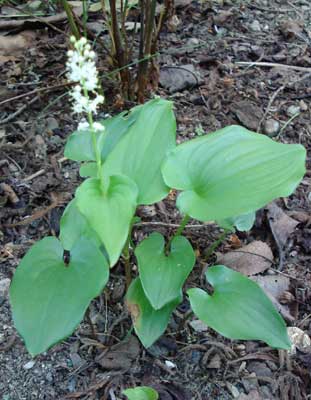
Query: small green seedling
x=129 y=160
x=141 y=393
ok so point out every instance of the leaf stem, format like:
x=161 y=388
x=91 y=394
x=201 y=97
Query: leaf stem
x=127 y=267
x=179 y=231
x=126 y=256
x=217 y=242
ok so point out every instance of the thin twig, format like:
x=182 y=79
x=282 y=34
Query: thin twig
x=19 y=111
x=168 y=225
x=276 y=93
x=287 y=123
x=273 y=65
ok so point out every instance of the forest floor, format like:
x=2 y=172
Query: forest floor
x=250 y=64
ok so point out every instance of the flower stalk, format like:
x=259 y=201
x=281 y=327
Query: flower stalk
x=86 y=99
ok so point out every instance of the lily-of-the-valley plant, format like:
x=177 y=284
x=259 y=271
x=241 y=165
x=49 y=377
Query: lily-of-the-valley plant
x=129 y=160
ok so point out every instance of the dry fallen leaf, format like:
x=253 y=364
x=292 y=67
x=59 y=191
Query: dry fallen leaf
x=16 y=44
x=282 y=226
x=275 y=286
x=299 y=340
x=251 y=259
x=291 y=28
x=120 y=356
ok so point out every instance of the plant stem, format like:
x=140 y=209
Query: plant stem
x=127 y=266
x=119 y=49
x=73 y=26
x=181 y=227
x=94 y=139
x=217 y=242
x=150 y=8
x=126 y=256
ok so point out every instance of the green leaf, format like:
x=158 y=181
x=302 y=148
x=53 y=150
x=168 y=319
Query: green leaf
x=74 y=225
x=232 y=172
x=238 y=309
x=149 y=324
x=161 y=276
x=141 y=393
x=140 y=153
x=109 y=211
x=88 y=169
x=117 y=127
x=242 y=222
x=79 y=146
x=49 y=297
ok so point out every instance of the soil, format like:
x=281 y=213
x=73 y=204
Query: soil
x=270 y=93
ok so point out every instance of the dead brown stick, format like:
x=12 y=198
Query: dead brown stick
x=19 y=111
x=9 y=192
x=17 y=23
x=56 y=201
x=272 y=65
x=35 y=91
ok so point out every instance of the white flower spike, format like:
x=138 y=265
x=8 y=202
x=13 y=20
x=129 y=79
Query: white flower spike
x=82 y=70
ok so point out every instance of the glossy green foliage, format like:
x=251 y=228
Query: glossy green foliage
x=141 y=393
x=50 y=297
x=79 y=146
x=232 y=172
x=88 y=169
x=140 y=153
x=74 y=225
x=238 y=308
x=109 y=210
x=162 y=276
x=149 y=324
x=241 y=223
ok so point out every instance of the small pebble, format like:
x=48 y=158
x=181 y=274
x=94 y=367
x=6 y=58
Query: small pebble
x=193 y=42
x=233 y=389
x=49 y=377
x=51 y=124
x=292 y=110
x=198 y=326
x=303 y=106
x=255 y=26
x=169 y=364
x=271 y=127
x=29 y=365
x=4 y=287
x=2 y=338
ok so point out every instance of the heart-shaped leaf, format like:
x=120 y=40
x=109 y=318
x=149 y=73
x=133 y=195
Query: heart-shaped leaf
x=238 y=309
x=161 y=276
x=109 y=211
x=140 y=153
x=232 y=172
x=79 y=146
x=49 y=297
x=74 y=225
x=149 y=324
x=141 y=393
